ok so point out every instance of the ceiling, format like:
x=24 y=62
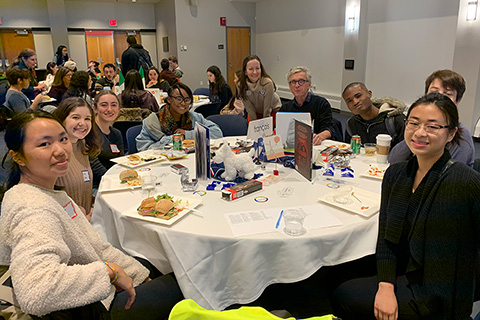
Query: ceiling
x=149 y=1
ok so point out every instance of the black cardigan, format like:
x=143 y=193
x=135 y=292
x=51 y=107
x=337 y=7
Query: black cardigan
x=445 y=239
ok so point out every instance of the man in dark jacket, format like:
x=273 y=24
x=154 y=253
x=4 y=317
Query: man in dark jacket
x=135 y=57
x=373 y=117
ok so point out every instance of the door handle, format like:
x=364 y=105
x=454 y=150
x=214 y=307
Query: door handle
x=230 y=66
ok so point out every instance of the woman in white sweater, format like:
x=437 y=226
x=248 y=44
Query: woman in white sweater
x=60 y=267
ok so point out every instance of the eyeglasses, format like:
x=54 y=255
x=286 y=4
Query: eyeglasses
x=300 y=82
x=180 y=99
x=412 y=125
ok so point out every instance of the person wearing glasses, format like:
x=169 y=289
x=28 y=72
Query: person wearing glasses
x=451 y=84
x=174 y=117
x=300 y=81
x=372 y=117
x=429 y=228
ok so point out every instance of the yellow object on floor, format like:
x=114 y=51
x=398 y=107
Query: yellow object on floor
x=190 y=310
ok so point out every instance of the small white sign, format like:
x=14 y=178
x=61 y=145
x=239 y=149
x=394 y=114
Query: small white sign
x=260 y=128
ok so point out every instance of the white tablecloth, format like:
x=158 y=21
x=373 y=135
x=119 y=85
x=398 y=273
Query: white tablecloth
x=216 y=269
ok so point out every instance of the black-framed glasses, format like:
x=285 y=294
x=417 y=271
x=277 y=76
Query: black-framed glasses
x=179 y=99
x=413 y=125
x=300 y=82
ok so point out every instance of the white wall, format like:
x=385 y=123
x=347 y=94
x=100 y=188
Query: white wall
x=402 y=54
x=78 y=49
x=43 y=48
x=198 y=28
x=166 y=27
x=97 y=15
x=303 y=32
x=24 y=13
x=149 y=43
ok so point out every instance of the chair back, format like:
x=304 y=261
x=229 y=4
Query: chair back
x=338 y=130
x=132 y=133
x=202 y=91
x=123 y=126
x=230 y=124
x=208 y=109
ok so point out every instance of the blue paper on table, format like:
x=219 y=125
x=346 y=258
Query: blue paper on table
x=259 y=147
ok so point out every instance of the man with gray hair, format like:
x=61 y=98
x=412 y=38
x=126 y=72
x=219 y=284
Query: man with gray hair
x=299 y=81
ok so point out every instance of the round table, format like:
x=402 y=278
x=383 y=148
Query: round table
x=213 y=267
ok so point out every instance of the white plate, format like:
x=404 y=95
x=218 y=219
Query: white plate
x=370 y=174
x=369 y=206
x=125 y=162
x=188 y=202
x=201 y=97
x=112 y=183
x=329 y=143
x=47 y=101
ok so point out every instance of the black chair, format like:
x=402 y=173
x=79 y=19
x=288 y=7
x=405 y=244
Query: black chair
x=132 y=133
x=209 y=109
x=230 y=124
x=476 y=165
x=123 y=126
x=202 y=91
x=338 y=130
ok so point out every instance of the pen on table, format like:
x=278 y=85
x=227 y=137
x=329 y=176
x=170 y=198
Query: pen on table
x=278 y=221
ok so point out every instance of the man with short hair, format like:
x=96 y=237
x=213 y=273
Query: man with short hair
x=372 y=117
x=134 y=57
x=108 y=80
x=451 y=84
x=166 y=74
x=174 y=66
x=300 y=81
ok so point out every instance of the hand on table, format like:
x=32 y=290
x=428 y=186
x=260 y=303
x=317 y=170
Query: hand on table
x=386 y=306
x=123 y=282
x=317 y=139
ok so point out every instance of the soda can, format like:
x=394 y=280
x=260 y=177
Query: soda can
x=177 y=141
x=355 y=144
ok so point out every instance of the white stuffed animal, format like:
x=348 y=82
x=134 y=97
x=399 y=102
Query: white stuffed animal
x=235 y=163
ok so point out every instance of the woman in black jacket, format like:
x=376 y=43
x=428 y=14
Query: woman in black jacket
x=219 y=89
x=429 y=228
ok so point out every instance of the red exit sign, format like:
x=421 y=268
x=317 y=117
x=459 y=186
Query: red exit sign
x=113 y=23
x=223 y=21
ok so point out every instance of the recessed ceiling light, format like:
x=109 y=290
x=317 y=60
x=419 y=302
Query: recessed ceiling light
x=134 y=0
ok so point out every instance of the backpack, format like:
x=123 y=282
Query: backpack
x=142 y=62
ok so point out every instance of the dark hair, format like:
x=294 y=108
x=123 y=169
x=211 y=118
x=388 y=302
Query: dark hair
x=109 y=65
x=92 y=145
x=24 y=54
x=15 y=73
x=104 y=93
x=178 y=86
x=58 y=80
x=96 y=64
x=242 y=80
x=133 y=87
x=15 y=138
x=173 y=59
x=216 y=86
x=156 y=70
x=131 y=40
x=164 y=64
x=354 y=84
x=236 y=95
x=78 y=85
x=50 y=66
x=449 y=79
x=448 y=108
x=60 y=49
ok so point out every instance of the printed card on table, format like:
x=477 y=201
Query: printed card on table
x=260 y=128
x=303 y=149
x=273 y=147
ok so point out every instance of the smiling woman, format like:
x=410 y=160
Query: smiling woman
x=173 y=118
x=106 y=107
x=61 y=268
x=79 y=120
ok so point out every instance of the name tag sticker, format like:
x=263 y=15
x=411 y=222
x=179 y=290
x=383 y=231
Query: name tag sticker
x=70 y=210
x=86 y=176
x=114 y=148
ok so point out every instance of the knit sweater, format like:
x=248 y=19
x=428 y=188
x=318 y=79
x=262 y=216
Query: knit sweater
x=261 y=98
x=55 y=259
x=444 y=239
x=76 y=182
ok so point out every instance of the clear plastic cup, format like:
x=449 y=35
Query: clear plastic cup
x=293 y=219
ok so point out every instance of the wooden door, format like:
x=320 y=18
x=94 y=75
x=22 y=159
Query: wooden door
x=11 y=44
x=100 y=47
x=238 y=47
x=120 y=39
